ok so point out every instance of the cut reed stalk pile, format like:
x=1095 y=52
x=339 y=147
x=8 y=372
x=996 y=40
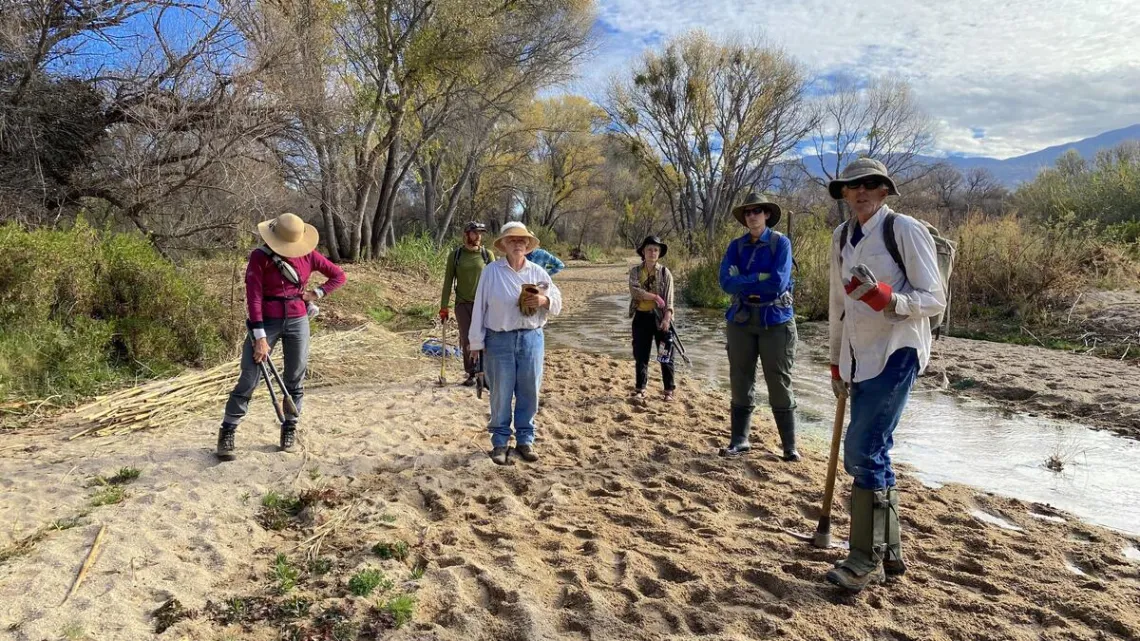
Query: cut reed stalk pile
x=368 y=352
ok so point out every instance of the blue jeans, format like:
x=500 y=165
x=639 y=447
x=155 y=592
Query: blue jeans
x=293 y=335
x=513 y=367
x=876 y=406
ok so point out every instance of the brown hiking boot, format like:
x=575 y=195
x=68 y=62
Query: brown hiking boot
x=846 y=578
x=527 y=453
x=225 y=451
x=499 y=456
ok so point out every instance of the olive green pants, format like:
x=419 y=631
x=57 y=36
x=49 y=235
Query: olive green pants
x=775 y=347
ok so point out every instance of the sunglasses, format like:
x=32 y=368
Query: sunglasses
x=869 y=183
x=754 y=212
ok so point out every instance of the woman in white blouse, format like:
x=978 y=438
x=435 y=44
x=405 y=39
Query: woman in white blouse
x=506 y=327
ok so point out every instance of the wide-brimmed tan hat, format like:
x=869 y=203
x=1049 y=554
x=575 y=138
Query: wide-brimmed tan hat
x=758 y=201
x=517 y=230
x=858 y=170
x=289 y=236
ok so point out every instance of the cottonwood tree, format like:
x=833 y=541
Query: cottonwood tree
x=881 y=120
x=708 y=119
x=404 y=72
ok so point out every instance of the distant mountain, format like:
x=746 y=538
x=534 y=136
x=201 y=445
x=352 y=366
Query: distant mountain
x=1018 y=169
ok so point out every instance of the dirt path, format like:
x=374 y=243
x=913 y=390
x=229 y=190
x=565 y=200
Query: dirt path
x=627 y=529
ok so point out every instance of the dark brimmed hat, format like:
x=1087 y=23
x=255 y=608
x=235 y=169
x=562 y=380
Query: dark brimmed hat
x=757 y=201
x=858 y=170
x=474 y=226
x=652 y=240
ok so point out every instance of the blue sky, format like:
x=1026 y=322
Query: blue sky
x=1000 y=78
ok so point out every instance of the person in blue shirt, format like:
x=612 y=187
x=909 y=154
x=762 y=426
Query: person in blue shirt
x=546 y=260
x=757 y=272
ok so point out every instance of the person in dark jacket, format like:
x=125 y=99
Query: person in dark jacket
x=757 y=272
x=278 y=310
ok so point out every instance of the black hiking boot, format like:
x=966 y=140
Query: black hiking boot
x=527 y=453
x=288 y=437
x=741 y=424
x=470 y=382
x=786 y=425
x=225 y=451
x=499 y=455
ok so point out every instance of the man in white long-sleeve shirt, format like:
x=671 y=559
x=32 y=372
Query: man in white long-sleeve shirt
x=879 y=317
x=506 y=326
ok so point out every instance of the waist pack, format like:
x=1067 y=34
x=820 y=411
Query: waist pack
x=747 y=305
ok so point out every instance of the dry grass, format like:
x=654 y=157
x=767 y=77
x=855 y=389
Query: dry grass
x=336 y=357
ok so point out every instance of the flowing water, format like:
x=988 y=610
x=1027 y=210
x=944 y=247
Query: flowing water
x=944 y=438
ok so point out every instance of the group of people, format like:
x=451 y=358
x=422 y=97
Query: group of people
x=883 y=293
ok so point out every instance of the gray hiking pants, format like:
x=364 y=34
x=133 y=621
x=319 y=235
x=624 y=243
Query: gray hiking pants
x=775 y=347
x=293 y=334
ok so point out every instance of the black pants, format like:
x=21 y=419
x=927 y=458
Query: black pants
x=644 y=333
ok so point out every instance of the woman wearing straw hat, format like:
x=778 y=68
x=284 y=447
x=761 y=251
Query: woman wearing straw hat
x=277 y=303
x=651 y=308
x=512 y=303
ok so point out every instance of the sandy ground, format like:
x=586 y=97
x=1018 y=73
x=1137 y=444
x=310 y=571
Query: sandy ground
x=1099 y=392
x=629 y=528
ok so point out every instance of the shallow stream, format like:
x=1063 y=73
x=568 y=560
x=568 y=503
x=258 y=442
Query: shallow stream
x=944 y=438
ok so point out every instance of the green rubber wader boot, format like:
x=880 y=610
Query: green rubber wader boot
x=741 y=428
x=864 y=563
x=893 y=563
x=786 y=425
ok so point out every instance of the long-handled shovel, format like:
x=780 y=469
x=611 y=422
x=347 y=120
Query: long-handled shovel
x=822 y=536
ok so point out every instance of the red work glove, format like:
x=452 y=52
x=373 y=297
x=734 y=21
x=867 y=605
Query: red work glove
x=443 y=311
x=837 y=384
x=864 y=287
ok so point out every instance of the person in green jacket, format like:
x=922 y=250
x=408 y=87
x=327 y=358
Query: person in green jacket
x=464 y=267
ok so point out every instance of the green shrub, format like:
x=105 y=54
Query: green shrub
x=418 y=254
x=80 y=310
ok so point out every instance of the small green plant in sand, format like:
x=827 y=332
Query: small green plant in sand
x=124 y=475
x=296 y=607
x=401 y=607
x=67 y=523
x=285 y=574
x=108 y=495
x=388 y=518
x=391 y=550
x=314 y=474
x=277 y=509
x=418 y=571
x=321 y=566
x=73 y=632
x=365 y=582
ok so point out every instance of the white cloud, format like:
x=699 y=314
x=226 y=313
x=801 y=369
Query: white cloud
x=1030 y=73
